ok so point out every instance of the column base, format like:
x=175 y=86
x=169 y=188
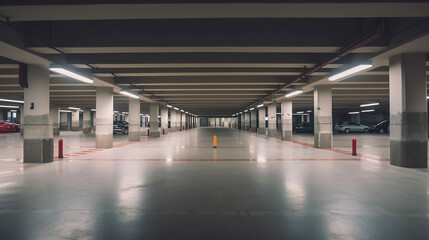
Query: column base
x=409 y=154
x=103 y=141
x=323 y=140
x=287 y=135
x=262 y=131
x=38 y=150
x=134 y=136
x=56 y=131
x=272 y=132
x=75 y=129
x=154 y=134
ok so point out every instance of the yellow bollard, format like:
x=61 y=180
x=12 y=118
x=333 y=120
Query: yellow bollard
x=214 y=141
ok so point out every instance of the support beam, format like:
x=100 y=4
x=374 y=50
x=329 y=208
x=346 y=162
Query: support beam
x=408 y=111
x=54 y=118
x=134 y=119
x=286 y=108
x=154 y=113
x=323 y=116
x=272 y=119
x=262 y=128
x=38 y=137
x=87 y=120
x=104 y=117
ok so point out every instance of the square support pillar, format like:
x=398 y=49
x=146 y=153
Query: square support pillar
x=323 y=116
x=246 y=121
x=286 y=108
x=272 y=120
x=54 y=118
x=408 y=110
x=104 y=117
x=86 y=124
x=164 y=119
x=154 y=113
x=253 y=120
x=173 y=120
x=262 y=112
x=134 y=119
x=75 y=120
x=38 y=136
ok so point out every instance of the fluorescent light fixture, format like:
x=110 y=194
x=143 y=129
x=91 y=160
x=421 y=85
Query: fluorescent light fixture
x=427 y=97
x=115 y=111
x=73 y=108
x=369 y=110
x=369 y=104
x=294 y=93
x=353 y=113
x=12 y=110
x=252 y=109
x=182 y=110
x=159 y=116
x=308 y=111
x=241 y=112
x=169 y=106
x=128 y=94
x=125 y=113
x=10 y=100
x=65 y=111
x=266 y=118
x=246 y=110
x=350 y=71
x=260 y=105
x=71 y=74
x=176 y=108
x=6 y=106
x=93 y=110
x=186 y=112
x=301 y=112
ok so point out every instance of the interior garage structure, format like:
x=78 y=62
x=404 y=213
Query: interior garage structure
x=222 y=120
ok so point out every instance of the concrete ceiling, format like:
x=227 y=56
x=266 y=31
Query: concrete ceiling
x=204 y=59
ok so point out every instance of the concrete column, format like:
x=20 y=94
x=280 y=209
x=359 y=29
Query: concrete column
x=246 y=121
x=286 y=108
x=75 y=120
x=173 y=120
x=154 y=113
x=54 y=118
x=134 y=119
x=104 y=117
x=262 y=129
x=38 y=136
x=164 y=119
x=64 y=121
x=272 y=118
x=21 y=120
x=87 y=120
x=253 y=120
x=323 y=116
x=182 y=121
x=408 y=110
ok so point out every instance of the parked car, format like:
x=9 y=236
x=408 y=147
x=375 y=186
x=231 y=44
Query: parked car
x=348 y=127
x=120 y=127
x=15 y=125
x=7 y=127
x=307 y=127
x=381 y=127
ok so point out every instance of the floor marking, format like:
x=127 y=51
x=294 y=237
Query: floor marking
x=221 y=160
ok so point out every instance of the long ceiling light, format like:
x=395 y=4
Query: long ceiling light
x=74 y=108
x=369 y=104
x=169 y=106
x=353 y=113
x=6 y=106
x=71 y=74
x=128 y=94
x=10 y=100
x=246 y=110
x=252 y=109
x=176 y=108
x=260 y=105
x=350 y=71
x=301 y=112
x=369 y=110
x=65 y=111
x=294 y=93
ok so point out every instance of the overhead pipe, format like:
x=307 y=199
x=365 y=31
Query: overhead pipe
x=378 y=33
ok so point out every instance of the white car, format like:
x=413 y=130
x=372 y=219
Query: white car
x=347 y=127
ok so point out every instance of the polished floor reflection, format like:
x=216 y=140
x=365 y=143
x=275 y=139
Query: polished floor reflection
x=179 y=187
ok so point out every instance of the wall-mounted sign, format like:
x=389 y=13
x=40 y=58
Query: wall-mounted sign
x=32 y=106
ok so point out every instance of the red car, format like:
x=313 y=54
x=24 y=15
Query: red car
x=7 y=127
x=15 y=125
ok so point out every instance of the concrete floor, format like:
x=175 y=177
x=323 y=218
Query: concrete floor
x=178 y=186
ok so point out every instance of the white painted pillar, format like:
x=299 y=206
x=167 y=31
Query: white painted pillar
x=87 y=120
x=134 y=119
x=154 y=113
x=408 y=110
x=164 y=119
x=75 y=120
x=272 y=118
x=104 y=117
x=323 y=116
x=38 y=136
x=253 y=120
x=262 y=112
x=286 y=108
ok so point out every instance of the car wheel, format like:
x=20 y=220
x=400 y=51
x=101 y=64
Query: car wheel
x=381 y=131
x=365 y=130
x=347 y=130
